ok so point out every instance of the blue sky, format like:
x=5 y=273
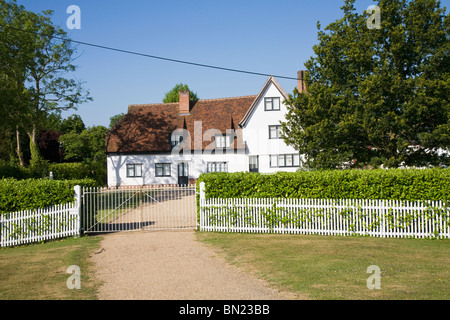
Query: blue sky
x=271 y=37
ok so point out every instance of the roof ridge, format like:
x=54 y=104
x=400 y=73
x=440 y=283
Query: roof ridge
x=228 y=98
x=175 y=103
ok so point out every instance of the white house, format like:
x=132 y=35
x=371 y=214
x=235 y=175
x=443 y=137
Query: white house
x=173 y=143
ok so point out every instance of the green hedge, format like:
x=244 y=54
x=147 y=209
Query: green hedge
x=396 y=184
x=61 y=171
x=16 y=195
x=69 y=171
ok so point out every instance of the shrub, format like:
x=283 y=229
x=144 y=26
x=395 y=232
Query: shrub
x=69 y=171
x=16 y=172
x=396 y=184
x=16 y=195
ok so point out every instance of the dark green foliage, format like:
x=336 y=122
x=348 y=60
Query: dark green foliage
x=376 y=96
x=70 y=171
x=394 y=184
x=17 y=195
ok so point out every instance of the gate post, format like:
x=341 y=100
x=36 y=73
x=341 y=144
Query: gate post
x=201 y=204
x=77 y=190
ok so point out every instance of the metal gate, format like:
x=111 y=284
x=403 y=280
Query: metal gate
x=138 y=208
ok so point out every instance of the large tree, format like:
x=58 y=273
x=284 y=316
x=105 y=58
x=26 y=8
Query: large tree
x=48 y=55
x=376 y=95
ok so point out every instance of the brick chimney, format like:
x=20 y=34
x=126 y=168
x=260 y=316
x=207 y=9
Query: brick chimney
x=184 y=102
x=301 y=86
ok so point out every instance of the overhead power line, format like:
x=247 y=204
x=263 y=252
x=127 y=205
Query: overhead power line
x=166 y=59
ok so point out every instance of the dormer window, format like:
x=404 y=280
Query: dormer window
x=176 y=138
x=223 y=141
x=272 y=104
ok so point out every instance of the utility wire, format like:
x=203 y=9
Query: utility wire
x=162 y=58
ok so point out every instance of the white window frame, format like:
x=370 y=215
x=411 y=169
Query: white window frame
x=217 y=166
x=222 y=141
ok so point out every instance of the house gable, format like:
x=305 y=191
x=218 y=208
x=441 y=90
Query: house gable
x=271 y=82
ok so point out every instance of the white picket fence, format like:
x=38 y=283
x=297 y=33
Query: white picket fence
x=37 y=225
x=377 y=218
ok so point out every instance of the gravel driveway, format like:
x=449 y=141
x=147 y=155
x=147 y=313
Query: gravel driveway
x=171 y=265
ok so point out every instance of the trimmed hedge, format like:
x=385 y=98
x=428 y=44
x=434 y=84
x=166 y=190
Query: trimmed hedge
x=69 y=171
x=17 y=195
x=392 y=184
x=61 y=171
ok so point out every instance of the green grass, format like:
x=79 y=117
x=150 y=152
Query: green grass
x=38 y=271
x=327 y=267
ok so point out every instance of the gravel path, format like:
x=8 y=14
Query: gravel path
x=171 y=265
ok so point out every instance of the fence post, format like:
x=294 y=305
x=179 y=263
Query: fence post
x=77 y=190
x=201 y=204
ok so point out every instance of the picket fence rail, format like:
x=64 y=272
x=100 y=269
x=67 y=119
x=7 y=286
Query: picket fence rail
x=377 y=218
x=36 y=225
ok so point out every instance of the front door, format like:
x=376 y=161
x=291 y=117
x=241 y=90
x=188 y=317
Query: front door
x=183 y=174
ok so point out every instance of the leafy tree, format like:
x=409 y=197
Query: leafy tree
x=38 y=77
x=173 y=95
x=73 y=123
x=114 y=119
x=14 y=57
x=376 y=96
x=87 y=147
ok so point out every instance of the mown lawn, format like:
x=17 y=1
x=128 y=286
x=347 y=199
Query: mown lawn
x=332 y=268
x=38 y=271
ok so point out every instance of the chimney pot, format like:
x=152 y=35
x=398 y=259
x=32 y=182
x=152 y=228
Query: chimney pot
x=184 y=102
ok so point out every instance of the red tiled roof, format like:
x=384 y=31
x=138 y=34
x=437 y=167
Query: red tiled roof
x=147 y=128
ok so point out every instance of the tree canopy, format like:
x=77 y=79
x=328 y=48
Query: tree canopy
x=173 y=95
x=36 y=58
x=376 y=96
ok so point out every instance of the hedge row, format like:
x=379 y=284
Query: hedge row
x=393 y=184
x=17 y=195
x=60 y=171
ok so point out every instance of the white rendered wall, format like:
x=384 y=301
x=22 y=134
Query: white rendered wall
x=256 y=133
x=117 y=167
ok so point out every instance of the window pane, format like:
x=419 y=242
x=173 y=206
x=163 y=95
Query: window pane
x=130 y=170
x=281 y=162
x=227 y=141
x=138 y=170
x=268 y=104
x=296 y=160
x=219 y=142
x=272 y=132
x=274 y=161
x=289 y=160
x=276 y=103
x=183 y=169
x=166 y=169
x=158 y=170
